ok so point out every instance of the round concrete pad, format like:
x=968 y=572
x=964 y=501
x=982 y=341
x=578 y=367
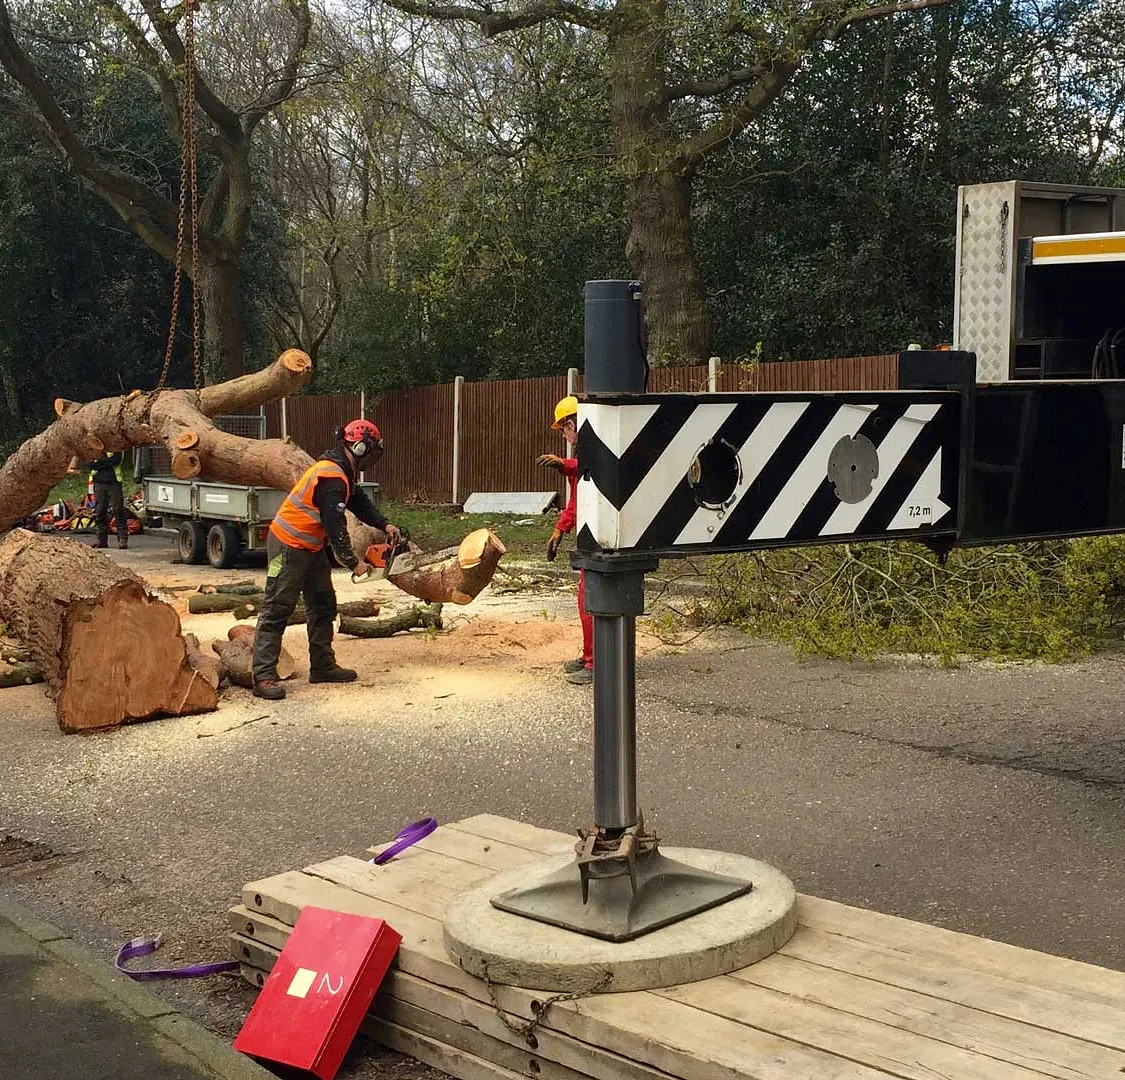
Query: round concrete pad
x=517 y=951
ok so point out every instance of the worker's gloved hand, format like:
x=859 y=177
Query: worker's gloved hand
x=394 y=533
x=550 y=461
x=553 y=545
x=361 y=570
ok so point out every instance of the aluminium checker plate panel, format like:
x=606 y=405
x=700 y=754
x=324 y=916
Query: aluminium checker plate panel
x=675 y=474
x=984 y=290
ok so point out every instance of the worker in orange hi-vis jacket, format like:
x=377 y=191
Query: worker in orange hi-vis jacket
x=311 y=518
x=580 y=670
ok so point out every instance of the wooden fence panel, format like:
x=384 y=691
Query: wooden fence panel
x=417 y=428
x=505 y=426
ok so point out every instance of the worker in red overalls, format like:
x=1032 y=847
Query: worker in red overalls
x=581 y=670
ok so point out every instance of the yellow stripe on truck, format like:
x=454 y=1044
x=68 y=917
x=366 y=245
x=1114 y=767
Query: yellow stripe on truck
x=1104 y=248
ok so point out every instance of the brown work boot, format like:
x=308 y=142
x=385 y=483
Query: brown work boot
x=102 y=544
x=333 y=674
x=582 y=677
x=123 y=543
x=574 y=665
x=270 y=689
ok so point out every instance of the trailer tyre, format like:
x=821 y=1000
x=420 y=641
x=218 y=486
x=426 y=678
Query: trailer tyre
x=223 y=546
x=192 y=542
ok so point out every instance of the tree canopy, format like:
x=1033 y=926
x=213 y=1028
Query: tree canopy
x=409 y=195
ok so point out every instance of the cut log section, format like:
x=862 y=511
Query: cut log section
x=233 y=588
x=455 y=574
x=217 y=603
x=208 y=667
x=237 y=657
x=109 y=652
x=248 y=605
x=356 y=609
x=428 y=617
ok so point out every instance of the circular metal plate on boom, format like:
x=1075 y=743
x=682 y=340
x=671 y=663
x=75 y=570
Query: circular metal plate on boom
x=853 y=466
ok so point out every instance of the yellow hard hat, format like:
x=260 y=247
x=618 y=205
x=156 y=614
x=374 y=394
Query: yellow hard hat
x=564 y=410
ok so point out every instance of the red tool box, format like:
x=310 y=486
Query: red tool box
x=311 y=1006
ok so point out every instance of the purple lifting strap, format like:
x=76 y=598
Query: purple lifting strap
x=142 y=946
x=413 y=832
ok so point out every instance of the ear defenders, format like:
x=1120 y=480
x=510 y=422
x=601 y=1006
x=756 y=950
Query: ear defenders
x=361 y=437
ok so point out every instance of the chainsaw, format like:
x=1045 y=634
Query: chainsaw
x=389 y=558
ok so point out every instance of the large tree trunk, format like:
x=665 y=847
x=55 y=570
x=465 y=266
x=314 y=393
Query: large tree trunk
x=660 y=254
x=658 y=190
x=220 y=291
x=109 y=652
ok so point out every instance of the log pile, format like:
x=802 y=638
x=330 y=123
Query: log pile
x=109 y=652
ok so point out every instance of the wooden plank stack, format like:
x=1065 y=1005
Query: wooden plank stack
x=854 y=995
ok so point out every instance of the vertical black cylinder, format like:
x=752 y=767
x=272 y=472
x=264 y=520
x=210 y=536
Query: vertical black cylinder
x=615 y=340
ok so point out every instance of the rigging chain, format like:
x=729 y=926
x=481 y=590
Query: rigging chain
x=188 y=184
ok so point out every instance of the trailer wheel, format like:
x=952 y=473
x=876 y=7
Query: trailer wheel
x=192 y=542
x=223 y=546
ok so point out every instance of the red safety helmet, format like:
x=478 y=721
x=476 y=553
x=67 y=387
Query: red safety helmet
x=362 y=437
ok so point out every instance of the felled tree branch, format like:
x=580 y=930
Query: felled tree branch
x=175 y=418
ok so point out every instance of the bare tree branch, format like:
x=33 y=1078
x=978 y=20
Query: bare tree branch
x=880 y=12
x=703 y=88
x=152 y=65
x=818 y=25
x=493 y=23
x=282 y=88
x=164 y=23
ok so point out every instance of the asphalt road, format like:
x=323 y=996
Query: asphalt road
x=989 y=799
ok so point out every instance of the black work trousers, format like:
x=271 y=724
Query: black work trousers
x=109 y=499
x=293 y=573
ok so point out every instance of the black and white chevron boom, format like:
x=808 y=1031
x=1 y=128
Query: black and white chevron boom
x=675 y=473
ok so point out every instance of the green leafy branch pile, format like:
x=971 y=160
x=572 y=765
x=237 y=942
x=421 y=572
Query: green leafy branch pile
x=1052 y=601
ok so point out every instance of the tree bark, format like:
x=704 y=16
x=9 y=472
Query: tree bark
x=109 y=652
x=658 y=189
x=660 y=254
x=235 y=588
x=208 y=667
x=214 y=603
x=455 y=574
x=360 y=609
x=237 y=657
x=220 y=290
x=428 y=616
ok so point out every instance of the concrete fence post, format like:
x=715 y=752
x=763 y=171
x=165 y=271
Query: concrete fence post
x=713 y=365
x=458 y=383
x=571 y=381
x=363 y=416
x=284 y=419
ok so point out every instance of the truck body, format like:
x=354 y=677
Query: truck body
x=1040 y=280
x=216 y=522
